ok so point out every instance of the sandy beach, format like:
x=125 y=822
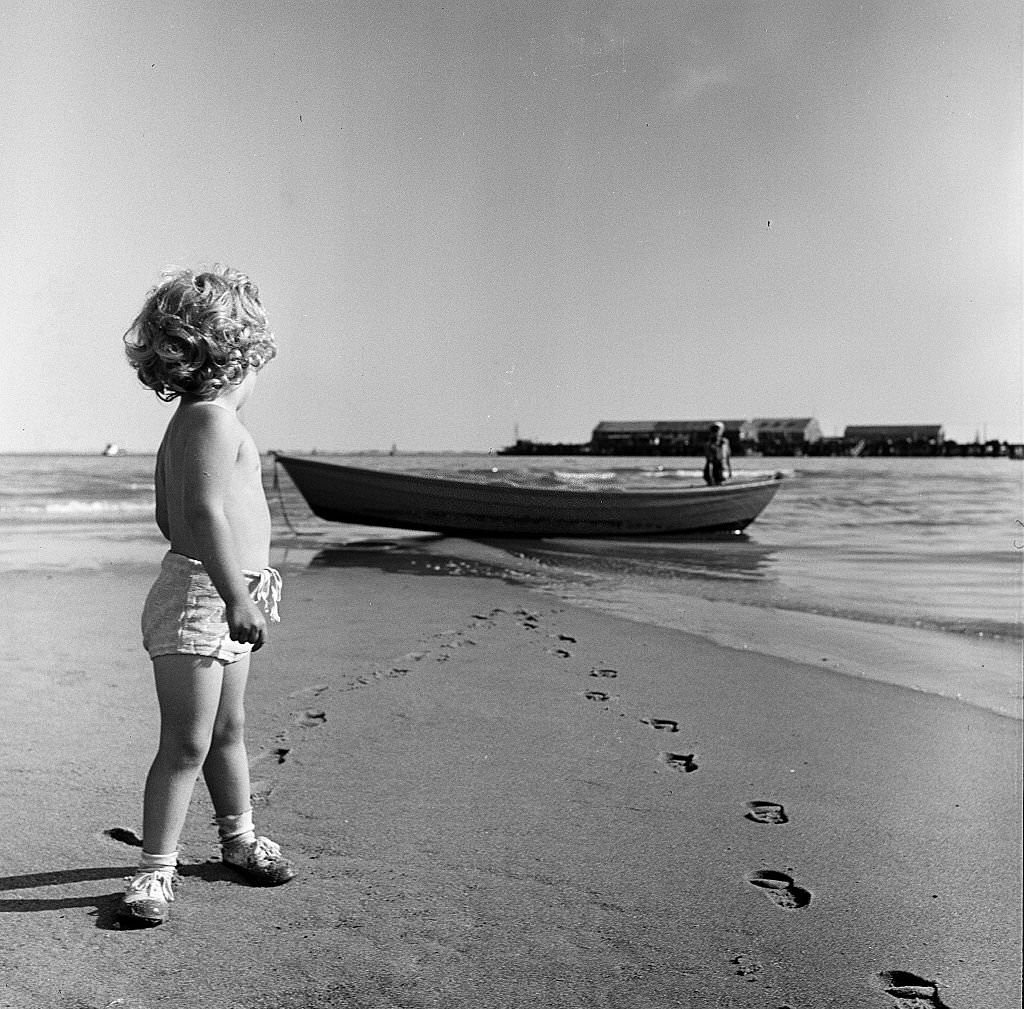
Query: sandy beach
x=498 y=799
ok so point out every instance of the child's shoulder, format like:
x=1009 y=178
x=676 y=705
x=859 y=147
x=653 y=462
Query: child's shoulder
x=205 y=419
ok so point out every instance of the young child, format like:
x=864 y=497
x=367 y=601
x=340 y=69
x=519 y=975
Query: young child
x=201 y=338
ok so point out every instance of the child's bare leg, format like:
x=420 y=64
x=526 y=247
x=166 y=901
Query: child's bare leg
x=188 y=690
x=226 y=769
x=226 y=772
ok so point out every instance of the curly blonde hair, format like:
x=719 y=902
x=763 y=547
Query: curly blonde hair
x=198 y=333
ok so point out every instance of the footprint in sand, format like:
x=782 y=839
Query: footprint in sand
x=488 y=616
x=747 y=967
x=911 y=991
x=124 y=835
x=661 y=724
x=311 y=717
x=260 y=790
x=562 y=653
x=608 y=674
x=781 y=889
x=766 y=812
x=680 y=761
x=315 y=691
x=596 y=695
x=458 y=642
x=277 y=754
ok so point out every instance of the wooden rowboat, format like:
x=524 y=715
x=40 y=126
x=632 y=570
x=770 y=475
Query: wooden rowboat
x=505 y=507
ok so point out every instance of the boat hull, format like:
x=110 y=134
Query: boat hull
x=340 y=493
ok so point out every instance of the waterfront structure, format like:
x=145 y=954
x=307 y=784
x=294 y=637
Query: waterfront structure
x=658 y=437
x=766 y=435
x=895 y=439
x=524 y=446
x=781 y=435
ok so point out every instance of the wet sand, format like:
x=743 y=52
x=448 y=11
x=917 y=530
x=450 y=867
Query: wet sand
x=499 y=799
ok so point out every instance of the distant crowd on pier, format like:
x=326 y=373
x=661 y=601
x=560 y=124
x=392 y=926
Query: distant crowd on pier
x=768 y=436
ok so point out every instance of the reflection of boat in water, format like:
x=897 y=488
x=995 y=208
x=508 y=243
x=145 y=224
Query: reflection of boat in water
x=500 y=506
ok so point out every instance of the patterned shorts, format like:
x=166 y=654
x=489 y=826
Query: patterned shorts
x=185 y=615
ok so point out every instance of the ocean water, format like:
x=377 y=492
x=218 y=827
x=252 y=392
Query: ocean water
x=929 y=543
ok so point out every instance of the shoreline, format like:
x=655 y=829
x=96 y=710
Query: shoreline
x=985 y=672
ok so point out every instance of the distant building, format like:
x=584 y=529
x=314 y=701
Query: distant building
x=895 y=439
x=781 y=435
x=657 y=437
x=623 y=437
x=687 y=437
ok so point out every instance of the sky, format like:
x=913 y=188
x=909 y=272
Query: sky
x=476 y=221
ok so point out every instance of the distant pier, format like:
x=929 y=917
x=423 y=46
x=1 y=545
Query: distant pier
x=769 y=436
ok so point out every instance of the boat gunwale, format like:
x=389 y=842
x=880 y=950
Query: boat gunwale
x=619 y=494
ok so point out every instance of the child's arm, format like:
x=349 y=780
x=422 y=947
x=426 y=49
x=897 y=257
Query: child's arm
x=209 y=466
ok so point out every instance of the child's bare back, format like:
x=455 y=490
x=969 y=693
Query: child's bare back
x=208 y=468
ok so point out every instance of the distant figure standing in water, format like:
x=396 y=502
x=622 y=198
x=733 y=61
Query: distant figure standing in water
x=717 y=456
x=201 y=338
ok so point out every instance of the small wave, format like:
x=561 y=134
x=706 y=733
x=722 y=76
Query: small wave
x=77 y=508
x=579 y=476
x=678 y=474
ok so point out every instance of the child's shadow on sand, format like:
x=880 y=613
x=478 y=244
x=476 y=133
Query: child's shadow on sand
x=105 y=904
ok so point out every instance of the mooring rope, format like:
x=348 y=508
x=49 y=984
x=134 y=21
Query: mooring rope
x=276 y=488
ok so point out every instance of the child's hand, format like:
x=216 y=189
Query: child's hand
x=247 y=624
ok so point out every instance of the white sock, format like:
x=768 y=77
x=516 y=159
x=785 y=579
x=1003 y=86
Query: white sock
x=237 y=829
x=150 y=862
